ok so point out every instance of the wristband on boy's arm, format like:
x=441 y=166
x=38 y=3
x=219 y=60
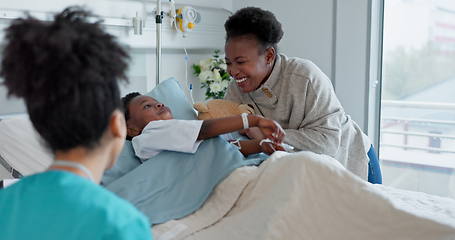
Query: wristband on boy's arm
x=264 y=140
x=245 y=120
x=237 y=144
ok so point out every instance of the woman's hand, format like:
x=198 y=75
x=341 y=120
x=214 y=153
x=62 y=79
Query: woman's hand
x=253 y=133
x=270 y=129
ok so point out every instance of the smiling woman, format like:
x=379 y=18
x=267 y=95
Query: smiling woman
x=292 y=91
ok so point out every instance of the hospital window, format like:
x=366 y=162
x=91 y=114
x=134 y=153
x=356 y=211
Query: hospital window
x=417 y=129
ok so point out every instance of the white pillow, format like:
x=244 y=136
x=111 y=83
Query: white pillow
x=21 y=146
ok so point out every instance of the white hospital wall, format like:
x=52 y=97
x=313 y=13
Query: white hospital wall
x=307 y=25
x=200 y=44
x=334 y=35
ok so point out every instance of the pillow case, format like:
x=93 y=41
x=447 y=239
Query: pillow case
x=172 y=185
x=171 y=94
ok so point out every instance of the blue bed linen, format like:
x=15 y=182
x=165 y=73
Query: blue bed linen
x=126 y=162
x=172 y=185
x=62 y=205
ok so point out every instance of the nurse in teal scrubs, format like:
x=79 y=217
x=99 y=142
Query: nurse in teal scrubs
x=67 y=71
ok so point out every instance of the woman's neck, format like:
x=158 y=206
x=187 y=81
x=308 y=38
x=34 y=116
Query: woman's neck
x=93 y=160
x=269 y=72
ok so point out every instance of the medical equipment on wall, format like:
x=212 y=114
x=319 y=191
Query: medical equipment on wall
x=188 y=83
x=138 y=24
x=186 y=19
x=183 y=19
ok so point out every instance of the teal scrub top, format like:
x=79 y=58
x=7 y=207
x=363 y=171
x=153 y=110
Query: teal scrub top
x=62 y=205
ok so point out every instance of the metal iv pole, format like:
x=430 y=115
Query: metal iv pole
x=159 y=20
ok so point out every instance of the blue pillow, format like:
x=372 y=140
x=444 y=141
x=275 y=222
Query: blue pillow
x=171 y=94
x=172 y=185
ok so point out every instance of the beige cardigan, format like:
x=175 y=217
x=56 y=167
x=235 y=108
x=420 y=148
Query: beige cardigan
x=300 y=97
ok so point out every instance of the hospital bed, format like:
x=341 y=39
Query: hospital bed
x=289 y=196
x=21 y=150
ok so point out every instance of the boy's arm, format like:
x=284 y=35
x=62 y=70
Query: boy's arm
x=214 y=127
x=248 y=147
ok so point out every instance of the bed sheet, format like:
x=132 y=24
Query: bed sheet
x=308 y=196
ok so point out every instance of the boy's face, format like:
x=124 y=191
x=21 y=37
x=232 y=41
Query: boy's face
x=144 y=109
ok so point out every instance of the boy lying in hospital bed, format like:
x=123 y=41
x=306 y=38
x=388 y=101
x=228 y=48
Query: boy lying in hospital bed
x=151 y=127
x=289 y=196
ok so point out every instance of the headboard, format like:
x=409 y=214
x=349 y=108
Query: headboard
x=13 y=172
x=21 y=150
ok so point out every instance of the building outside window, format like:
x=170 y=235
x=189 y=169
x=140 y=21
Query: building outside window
x=417 y=132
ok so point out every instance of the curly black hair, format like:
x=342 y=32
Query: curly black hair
x=260 y=23
x=126 y=102
x=67 y=70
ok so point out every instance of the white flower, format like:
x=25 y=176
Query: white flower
x=204 y=76
x=215 y=87
x=223 y=66
x=206 y=64
x=224 y=84
x=216 y=75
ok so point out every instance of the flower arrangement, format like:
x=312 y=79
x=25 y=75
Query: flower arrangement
x=213 y=76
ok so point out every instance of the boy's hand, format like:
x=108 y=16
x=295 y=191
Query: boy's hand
x=271 y=129
x=270 y=147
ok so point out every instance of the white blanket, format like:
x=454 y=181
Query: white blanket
x=308 y=196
